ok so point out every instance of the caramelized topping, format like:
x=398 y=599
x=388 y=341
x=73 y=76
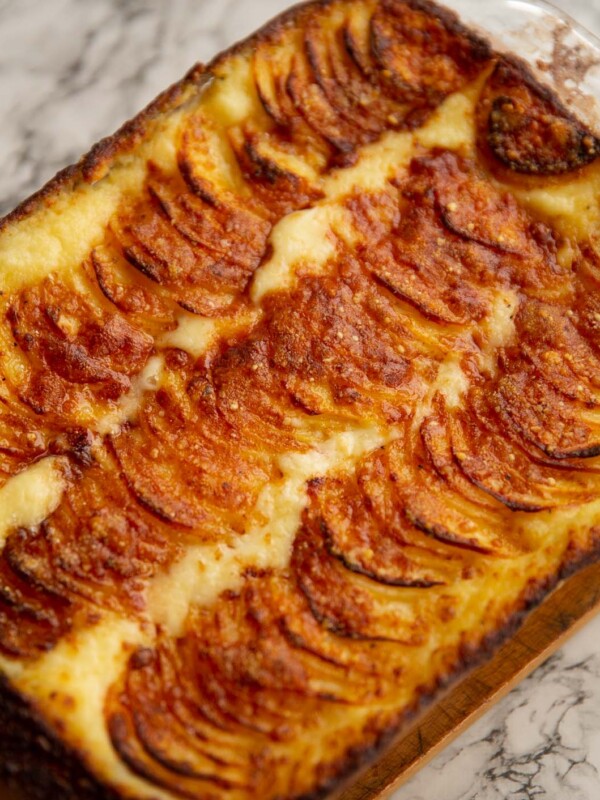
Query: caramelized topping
x=313 y=458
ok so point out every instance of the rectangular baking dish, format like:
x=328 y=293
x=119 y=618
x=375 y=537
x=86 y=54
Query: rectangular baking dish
x=566 y=57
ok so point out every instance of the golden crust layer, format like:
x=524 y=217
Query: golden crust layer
x=320 y=403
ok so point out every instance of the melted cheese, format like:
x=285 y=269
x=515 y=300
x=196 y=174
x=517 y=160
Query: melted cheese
x=498 y=329
x=451 y=380
x=232 y=96
x=571 y=205
x=61 y=235
x=377 y=163
x=305 y=239
x=196 y=334
x=29 y=497
x=206 y=571
x=71 y=682
x=452 y=124
x=128 y=405
x=73 y=697
x=559 y=525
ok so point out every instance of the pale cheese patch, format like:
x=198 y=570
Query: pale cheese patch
x=305 y=238
x=61 y=235
x=377 y=163
x=232 y=98
x=195 y=334
x=571 y=205
x=206 y=571
x=29 y=497
x=498 y=328
x=129 y=404
x=451 y=380
x=452 y=124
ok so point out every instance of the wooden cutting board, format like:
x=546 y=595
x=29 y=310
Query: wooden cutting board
x=564 y=612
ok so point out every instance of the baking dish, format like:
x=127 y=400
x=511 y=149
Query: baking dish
x=555 y=72
x=561 y=52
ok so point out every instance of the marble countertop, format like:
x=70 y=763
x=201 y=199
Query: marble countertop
x=71 y=71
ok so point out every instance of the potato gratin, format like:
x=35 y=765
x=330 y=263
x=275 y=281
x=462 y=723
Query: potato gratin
x=299 y=407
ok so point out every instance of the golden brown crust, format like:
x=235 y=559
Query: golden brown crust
x=447 y=327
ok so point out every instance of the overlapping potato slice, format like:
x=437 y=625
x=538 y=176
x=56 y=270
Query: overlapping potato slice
x=193 y=275
x=237 y=686
x=423 y=54
x=32 y=619
x=275 y=185
x=501 y=465
x=132 y=293
x=514 y=248
x=549 y=338
x=527 y=129
x=339 y=350
x=392 y=551
x=75 y=351
x=201 y=448
x=99 y=544
x=356 y=72
x=23 y=438
x=560 y=427
x=347 y=90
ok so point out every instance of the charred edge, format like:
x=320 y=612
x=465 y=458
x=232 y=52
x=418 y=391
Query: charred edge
x=140 y=498
x=35 y=756
x=266 y=170
x=95 y=163
x=481 y=49
x=92 y=165
x=35 y=760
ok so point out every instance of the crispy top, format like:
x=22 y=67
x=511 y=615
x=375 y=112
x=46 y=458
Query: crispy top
x=307 y=361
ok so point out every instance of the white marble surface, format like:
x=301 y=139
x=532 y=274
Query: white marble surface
x=70 y=72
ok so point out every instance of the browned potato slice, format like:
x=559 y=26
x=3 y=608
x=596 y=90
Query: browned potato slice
x=527 y=129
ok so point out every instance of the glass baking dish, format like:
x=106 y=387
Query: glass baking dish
x=566 y=57
x=561 y=52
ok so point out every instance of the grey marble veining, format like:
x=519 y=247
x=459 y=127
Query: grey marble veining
x=71 y=71
x=541 y=741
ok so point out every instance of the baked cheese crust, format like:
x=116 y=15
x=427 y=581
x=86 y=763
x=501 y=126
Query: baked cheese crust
x=299 y=407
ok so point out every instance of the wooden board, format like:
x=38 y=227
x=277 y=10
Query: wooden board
x=564 y=612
